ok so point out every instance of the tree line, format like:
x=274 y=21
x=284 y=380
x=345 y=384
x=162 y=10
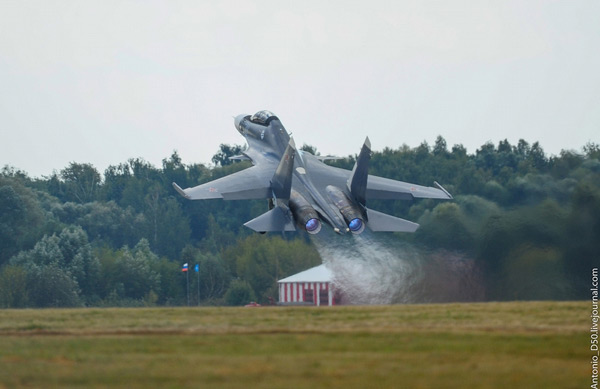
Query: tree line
x=81 y=238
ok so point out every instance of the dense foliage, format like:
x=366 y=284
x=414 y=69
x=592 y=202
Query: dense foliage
x=78 y=237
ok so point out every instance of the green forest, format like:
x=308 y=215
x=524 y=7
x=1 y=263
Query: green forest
x=119 y=238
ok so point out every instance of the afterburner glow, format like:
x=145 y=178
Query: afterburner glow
x=313 y=226
x=356 y=226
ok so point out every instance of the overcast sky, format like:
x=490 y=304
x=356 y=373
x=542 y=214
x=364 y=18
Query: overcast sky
x=102 y=82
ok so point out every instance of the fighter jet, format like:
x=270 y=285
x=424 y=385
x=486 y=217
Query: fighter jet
x=302 y=191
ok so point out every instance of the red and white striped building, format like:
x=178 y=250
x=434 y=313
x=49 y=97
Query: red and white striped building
x=312 y=286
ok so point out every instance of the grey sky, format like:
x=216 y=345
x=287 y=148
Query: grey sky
x=105 y=81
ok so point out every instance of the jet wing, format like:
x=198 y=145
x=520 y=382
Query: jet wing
x=387 y=189
x=377 y=188
x=251 y=183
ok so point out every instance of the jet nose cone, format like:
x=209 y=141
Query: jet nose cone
x=237 y=121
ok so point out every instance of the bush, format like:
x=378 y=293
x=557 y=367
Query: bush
x=239 y=293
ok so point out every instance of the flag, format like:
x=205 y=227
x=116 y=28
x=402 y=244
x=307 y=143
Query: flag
x=185 y=267
x=197 y=268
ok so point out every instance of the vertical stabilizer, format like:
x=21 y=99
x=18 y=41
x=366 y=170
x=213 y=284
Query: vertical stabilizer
x=357 y=183
x=282 y=179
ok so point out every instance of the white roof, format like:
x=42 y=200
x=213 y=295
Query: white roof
x=316 y=274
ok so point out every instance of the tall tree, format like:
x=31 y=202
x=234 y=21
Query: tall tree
x=222 y=158
x=81 y=182
x=22 y=219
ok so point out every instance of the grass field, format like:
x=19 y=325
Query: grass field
x=488 y=345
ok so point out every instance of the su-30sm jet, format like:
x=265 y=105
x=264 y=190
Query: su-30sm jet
x=303 y=191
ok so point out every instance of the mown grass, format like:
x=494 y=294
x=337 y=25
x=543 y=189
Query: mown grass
x=532 y=345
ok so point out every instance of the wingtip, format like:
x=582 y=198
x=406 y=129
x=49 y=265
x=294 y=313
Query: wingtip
x=180 y=191
x=368 y=143
x=437 y=185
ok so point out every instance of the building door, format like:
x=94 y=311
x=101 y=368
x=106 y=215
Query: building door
x=324 y=297
x=309 y=296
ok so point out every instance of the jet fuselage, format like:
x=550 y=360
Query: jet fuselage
x=266 y=131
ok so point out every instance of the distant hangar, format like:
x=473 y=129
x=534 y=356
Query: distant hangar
x=310 y=287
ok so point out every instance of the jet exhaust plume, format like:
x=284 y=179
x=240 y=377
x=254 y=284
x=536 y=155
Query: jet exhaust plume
x=381 y=269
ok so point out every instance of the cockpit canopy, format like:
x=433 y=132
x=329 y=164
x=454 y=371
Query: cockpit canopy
x=263 y=117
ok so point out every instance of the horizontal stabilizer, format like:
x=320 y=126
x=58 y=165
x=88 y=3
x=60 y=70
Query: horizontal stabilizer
x=277 y=219
x=379 y=221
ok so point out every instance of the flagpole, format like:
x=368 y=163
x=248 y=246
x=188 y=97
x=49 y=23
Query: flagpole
x=185 y=268
x=198 y=273
x=187 y=279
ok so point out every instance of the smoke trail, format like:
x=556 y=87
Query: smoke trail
x=381 y=269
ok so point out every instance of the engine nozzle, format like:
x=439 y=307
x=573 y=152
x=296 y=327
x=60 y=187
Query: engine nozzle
x=304 y=214
x=350 y=211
